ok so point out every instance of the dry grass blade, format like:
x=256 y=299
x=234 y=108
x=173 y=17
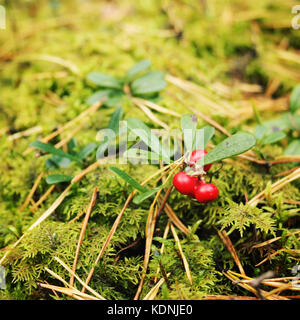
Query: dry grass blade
x=82 y=115
x=80 y=281
x=275 y=187
x=151 y=115
x=175 y=220
x=222 y=297
x=118 y=219
x=228 y=244
x=153 y=213
x=53 y=207
x=43 y=197
x=49 y=58
x=203 y=95
x=265 y=243
x=84 y=225
x=68 y=291
x=32 y=191
x=236 y=278
x=153 y=292
x=44 y=216
x=201 y=115
x=107 y=241
x=25 y=133
x=71 y=135
x=156 y=107
x=184 y=260
x=165 y=235
x=284 y=173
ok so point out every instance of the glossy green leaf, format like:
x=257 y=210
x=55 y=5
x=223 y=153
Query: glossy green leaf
x=273 y=137
x=104 y=80
x=98 y=95
x=114 y=126
x=122 y=174
x=87 y=150
x=230 y=147
x=57 y=178
x=149 y=83
x=260 y=131
x=140 y=129
x=145 y=195
x=208 y=134
x=293 y=148
x=295 y=99
x=57 y=162
x=188 y=124
x=136 y=69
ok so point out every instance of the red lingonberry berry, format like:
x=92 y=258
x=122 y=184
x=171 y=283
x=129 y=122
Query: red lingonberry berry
x=197 y=182
x=197 y=155
x=206 y=192
x=184 y=183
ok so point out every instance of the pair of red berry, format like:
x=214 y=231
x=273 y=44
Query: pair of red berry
x=192 y=185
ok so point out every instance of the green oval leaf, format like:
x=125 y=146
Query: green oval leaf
x=104 y=80
x=140 y=129
x=293 y=148
x=150 y=83
x=87 y=150
x=57 y=178
x=188 y=124
x=295 y=99
x=136 y=69
x=230 y=147
x=98 y=95
x=273 y=137
x=145 y=195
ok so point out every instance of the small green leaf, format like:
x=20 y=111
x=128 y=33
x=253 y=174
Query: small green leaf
x=122 y=174
x=115 y=120
x=57 y=178
x=98 y=95
x=145 y=195
x=259 y=131
x=149 y=83
x=293 y=149
x=136 y=69
x=72 y=144
x=87 y=150
x=57 y=162
x=273 y=137
x=208 y=134
x=230 y=147
x=112 y=125
x=189 y=126
x=49 y=148
x=140 y=129
x=104 y=80
x=295 y=99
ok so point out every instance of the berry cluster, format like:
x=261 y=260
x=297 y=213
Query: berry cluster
x=195 y=186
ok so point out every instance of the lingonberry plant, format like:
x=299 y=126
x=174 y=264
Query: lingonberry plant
x=194 y=164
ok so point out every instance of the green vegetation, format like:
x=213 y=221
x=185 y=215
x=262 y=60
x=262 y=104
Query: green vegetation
x=72 y=73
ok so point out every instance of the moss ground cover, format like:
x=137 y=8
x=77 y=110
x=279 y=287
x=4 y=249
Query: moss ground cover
x=234 y=65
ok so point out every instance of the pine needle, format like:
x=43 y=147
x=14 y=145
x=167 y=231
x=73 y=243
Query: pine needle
x=84 y=225
x=184 y=260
